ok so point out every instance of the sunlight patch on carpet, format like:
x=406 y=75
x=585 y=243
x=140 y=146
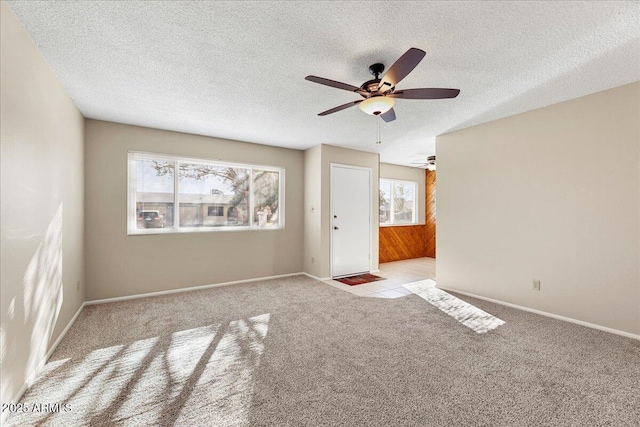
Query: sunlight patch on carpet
x=199 y=376
x=470 y=316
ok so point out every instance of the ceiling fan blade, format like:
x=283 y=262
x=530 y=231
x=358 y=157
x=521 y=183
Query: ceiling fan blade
x=425 y=93
x=389 y=116
x=332 y=83
x=340 y=108
x=401 y=68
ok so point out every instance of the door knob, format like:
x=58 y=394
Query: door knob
x=335 y=228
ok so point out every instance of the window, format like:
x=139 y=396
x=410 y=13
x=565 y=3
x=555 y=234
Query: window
x=172 y=194
x=216 y=211
x=398 y=202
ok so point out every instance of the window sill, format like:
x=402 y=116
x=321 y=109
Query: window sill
x=148 y=231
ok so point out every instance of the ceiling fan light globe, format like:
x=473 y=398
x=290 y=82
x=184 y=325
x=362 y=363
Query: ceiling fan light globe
x=377 y=105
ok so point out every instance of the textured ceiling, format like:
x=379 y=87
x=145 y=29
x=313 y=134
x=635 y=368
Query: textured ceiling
x=236 y=69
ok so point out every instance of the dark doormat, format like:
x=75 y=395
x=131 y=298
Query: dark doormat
x=360 y=279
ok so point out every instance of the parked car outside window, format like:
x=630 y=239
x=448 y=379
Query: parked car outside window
x=150 y=219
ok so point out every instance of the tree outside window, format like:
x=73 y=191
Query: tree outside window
x=397 y=202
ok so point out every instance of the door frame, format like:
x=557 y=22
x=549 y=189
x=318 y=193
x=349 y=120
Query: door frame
x=370 y=171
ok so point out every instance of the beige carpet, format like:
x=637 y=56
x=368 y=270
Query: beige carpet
x=296 y=352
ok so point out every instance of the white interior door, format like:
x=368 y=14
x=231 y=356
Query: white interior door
x=350 y=220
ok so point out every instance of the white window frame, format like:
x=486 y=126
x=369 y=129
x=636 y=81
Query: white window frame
x=414 y=216
x=132 y=227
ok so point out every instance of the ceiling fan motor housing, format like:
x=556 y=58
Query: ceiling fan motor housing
x=370 y=86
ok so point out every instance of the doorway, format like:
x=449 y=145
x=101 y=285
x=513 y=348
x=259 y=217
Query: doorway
x=350 y=220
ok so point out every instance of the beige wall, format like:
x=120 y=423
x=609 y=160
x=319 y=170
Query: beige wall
x=407 y=174
x=120 y=265
x=41 y=133
x=551 y=194
x=312 y=211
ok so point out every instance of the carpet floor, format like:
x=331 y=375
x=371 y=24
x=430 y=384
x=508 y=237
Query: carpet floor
x=296 y=352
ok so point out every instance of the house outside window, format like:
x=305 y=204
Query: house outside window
x=203 y=195
x=398 y=202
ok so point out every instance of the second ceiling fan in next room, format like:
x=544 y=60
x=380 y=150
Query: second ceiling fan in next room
x=380 y=94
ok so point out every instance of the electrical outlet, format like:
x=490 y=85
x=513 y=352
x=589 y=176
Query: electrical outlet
x=535 y=285
x=77 y=286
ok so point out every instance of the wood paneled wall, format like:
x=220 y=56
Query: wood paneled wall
x=412 y=241
x=430 y=214
x=402 y=242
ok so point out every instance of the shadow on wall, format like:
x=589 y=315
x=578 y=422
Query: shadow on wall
x=29 y=321
x=198 y=376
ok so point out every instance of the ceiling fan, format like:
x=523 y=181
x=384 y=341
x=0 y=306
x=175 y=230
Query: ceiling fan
x=380 y=94
x=429 y=164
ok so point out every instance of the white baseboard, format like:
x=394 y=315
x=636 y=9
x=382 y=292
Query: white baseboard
x=31 y=378
x=544 y=313
x=322 y=279
x=63 y=333
x=192 y=288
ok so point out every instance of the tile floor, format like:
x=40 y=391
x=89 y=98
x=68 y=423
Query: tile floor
x=397 y=273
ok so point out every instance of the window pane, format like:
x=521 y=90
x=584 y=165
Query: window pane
x=266 y=189
x=213 y=196
x=403 y=203
x=385 y=202
x=210 y=195
x=154 y=194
